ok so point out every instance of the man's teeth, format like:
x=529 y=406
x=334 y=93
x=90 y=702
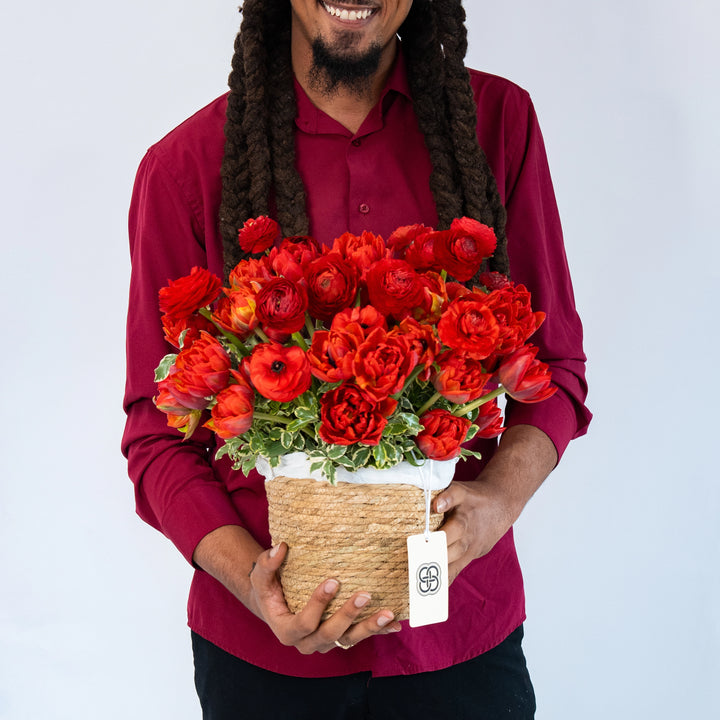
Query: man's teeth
x=347 y=14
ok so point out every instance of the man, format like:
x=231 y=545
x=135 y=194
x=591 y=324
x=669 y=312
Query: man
x=331 y=126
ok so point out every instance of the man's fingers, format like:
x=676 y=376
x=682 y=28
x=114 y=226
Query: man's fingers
x=449 y=498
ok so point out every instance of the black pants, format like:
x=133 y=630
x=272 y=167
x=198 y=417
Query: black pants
x=493 y=686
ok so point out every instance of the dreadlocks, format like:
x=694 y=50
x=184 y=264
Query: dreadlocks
x=259 y=161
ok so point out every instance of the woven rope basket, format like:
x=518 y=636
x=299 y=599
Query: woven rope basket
x=354 y=533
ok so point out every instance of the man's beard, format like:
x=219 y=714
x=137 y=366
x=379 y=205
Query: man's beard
x=334 y=69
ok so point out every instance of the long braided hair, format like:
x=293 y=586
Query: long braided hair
x=261 y=116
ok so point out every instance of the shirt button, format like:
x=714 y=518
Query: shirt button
x=364 y=208
x=357 y=143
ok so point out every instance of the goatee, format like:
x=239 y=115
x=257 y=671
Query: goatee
x=334 y=69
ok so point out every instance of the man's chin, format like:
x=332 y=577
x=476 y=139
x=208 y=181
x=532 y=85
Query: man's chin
x=342 y=66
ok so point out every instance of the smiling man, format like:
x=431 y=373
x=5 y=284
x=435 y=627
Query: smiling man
x=333 y=124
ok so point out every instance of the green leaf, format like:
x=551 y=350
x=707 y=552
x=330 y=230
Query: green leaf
x=286 y=439
x=380 y=454
x=163 y=369
x=335 y=452
x=362 y=456
x=248 y=464
x=411 y=422
x=472 y=432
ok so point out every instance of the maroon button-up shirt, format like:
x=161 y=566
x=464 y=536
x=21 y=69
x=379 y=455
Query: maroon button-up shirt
x=374 y=180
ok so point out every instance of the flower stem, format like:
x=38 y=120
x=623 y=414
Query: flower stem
x=271 y=418
x=429 y=404
x=234 y=340
x=465 y=409
x=310 y=327
x=410 y=380
x=300 y=340
x=262 y=335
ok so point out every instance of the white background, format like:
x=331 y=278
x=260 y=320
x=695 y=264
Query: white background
x=620 y=547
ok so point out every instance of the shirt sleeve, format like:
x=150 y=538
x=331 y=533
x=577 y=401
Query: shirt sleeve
x=537 y=259
x=176 y=489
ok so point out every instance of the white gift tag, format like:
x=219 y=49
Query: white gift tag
x=428 y=576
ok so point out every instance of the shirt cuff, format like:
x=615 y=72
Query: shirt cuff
x=194 y=513
x=556 y=417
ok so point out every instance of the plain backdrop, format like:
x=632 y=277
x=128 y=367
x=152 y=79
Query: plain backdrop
x=620 y=548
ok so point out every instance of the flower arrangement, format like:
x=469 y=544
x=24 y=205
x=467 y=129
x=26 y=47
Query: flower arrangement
x=365 y=353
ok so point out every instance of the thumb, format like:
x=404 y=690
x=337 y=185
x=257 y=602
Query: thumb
x=448 y=499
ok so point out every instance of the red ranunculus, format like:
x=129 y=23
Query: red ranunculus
x=382 y=363
x=515 y=317
x=258 y=234
x=235 y=312
x=250 y=272
x=348 y=416
x=278 y=373
x=366 y=318
x=423 y=343
x=399 y=241
x=524 y=377
x=361 y=250
x=494 y=280
x=281 y=306
x=469 y=325
x=302 y=247
x=394 y=288
x=186 y=295
x=420 y=252
x=489 y=420
x=191 y=326
x=462 y=249
x=434 y=298
x=332 y=284
x=178 y=416
x=442 y=434
x=232 y=415
x=459 y=377
x=331 y=353
x=200 y=371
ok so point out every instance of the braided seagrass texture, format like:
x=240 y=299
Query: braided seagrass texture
x=354 y=533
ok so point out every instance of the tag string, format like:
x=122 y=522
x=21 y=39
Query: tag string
x=427 y=481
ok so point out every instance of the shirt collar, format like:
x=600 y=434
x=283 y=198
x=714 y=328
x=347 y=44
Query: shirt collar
x=312 y=120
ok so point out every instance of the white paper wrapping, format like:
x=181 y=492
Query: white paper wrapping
x=437 y=474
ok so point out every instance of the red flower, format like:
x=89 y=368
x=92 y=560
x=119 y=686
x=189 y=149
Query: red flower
x=462 y=249
x=332 y=284
x=399 y=241
x=525 y=378
x=423 y=343
x=382 y=364
x=360 y=320
x=250 y=273
x=278 y=373
x=174 y=328
x=421 y=253
x=489 y=420
x=348 y=416
x=330 y=355
x=459 y=377
x=443 y=434
x=361 y=250
x=200 y=371
x=292 y=256
x=258 y=234
x=232 y=415
x=394 y=288
x=236 y=312
x=515 y=317
x=281 y=306
x=434 y=298
x=494 y=280
x=186 y=295
x=469 y=325
x=178 y=416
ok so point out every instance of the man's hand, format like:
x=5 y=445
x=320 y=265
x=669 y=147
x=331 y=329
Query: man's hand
x=234 y=558
x=479 y=513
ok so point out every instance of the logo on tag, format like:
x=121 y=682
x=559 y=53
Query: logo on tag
x=428 y=579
